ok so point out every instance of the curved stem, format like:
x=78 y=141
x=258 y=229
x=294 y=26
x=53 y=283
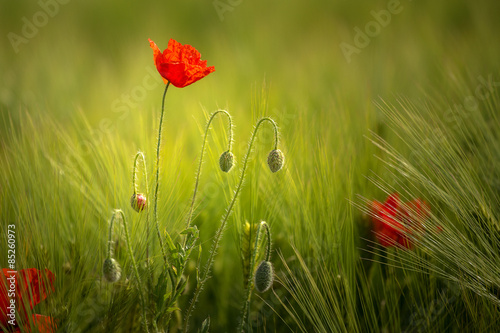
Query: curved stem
x=158 y=173
x=198 y=173
x=134 y=264
x=276 y=133
x=134 y=184
x=269 y=241
x=218 y=234
x=134 y=170
x=139 y=154
x=248 y=297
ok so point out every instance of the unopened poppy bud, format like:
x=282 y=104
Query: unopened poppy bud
x=138 y=202
x=264 y=276
x=226 y=161
x=275 y=160
x=111 y=270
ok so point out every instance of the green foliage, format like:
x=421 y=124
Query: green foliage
x=82 y=97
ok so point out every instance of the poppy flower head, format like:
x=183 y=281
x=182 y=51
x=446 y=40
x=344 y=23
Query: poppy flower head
x=394 y=222
x=384 y=214
x=180 y=64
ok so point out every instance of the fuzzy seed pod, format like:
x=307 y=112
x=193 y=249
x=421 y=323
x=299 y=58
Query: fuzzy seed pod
x=275 y=160
x=226 y=161
x=138 y=202
x=264 y=276
x=111 y=270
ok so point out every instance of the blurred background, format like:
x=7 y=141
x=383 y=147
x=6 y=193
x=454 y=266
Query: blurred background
x=78 y=80
x=62 y=56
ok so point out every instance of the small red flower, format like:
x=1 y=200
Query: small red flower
x=180 y=64
x=31 y=287
x=394 y=222
x=138 y=202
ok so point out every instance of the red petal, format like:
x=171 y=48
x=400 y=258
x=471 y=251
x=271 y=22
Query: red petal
x=156 y=50
x=404 y=241
x=375 y=212
x=173 y=51
x=419 y=208
x=44 y=324
x=32 y=286
x=180 y=64
x=387 y=237
x=36 y=285
x=175 y=72
x=392 y=203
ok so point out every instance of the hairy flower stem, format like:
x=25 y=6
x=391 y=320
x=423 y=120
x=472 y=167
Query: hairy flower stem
x=110 y=241
x=134 y=184
x=218 y=234
x=134 y=264
x=246 y=306
x=157 y=183
x=198 y=173
x=134 y=170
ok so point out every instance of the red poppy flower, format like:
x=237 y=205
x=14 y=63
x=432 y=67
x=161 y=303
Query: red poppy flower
x=31 y=287
x=180 y=64
x=395 y=222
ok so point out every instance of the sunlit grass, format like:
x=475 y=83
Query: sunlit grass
x=399 y=118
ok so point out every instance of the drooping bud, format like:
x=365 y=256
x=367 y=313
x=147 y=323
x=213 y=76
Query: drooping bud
x=264 y=276
x=111 y=270
x=138 y=202
x=226 y=161
x=275 y=160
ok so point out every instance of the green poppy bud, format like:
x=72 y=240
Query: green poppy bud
x=138 y=202
x=226 y=161
x=111 y=270
x=263 y=279
x=275 y=160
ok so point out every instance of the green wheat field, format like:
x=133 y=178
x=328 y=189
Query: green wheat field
x=371 y=100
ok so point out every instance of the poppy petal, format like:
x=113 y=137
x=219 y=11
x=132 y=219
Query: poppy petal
x=180 y=64
x=44 y=324
x=391 y=205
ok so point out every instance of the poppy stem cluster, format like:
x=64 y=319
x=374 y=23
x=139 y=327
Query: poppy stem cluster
x=181 y=65
x=111 y=268
x=275 y=165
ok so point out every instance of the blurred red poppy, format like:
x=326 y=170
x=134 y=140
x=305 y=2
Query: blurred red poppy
x=395 y=222
x=30 y=287
x=180 y=64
